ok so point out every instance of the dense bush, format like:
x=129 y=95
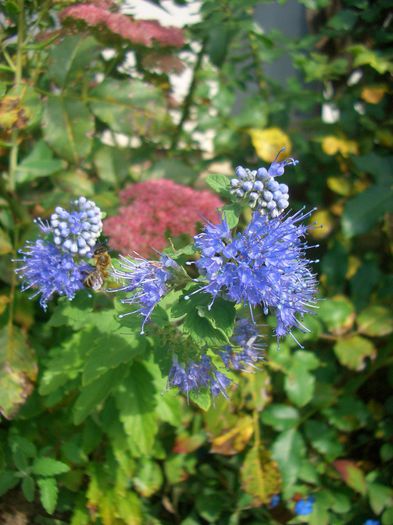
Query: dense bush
x=90 y=433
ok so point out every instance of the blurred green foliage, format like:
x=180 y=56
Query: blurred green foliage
x=89 y=434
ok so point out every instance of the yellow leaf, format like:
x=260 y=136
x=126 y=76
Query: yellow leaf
x=260 y=476
x=353 y=266
x=268 y=142
x=385 y=137
x=339 y=185
x=323 y=224
x=4 y=300
x=332 y=145
x=234 y=440
x=373 y=94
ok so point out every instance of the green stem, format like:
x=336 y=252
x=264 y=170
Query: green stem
x=188 y=100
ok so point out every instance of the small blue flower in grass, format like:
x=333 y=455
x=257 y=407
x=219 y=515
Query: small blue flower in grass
x=246 y=336
x=194 y=375
x=304 y=507
x=266 y=265
x=146 y=281
x=372 y=522
x=48 y=271
x=77 y=230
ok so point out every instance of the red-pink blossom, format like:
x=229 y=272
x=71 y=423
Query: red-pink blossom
x=154 y=209
x=141 y=32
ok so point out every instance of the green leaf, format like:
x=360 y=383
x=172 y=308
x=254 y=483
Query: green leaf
x=48 y=493
x=109 y=351
x=133 y=108
x=351 y=474
x=324 y=439
x=28 y=488
x=299 y=383
x=18 y=370
x=221 y=315
x=337 y=314
x=39 y=163
x=375 y=321
x=219 y=183
x=95 y=393
x=72 y=56
x=352 y=351
x=379 y=167
x=112 y=164
x=280 y=417
x=288 y=450
x=49 y=467
x=365 y=56
x=231 y=213
x=381 y=497
x=68 y=128
x=210 y=505
x=148 y=478
x=8 y=481
x=363 y=211
x=136 y=401
x=175 y=170
x=202 y=398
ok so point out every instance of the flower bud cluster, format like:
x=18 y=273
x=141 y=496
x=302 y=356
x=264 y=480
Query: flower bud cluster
x=77 y=231
x=56 y=262
x=260 y=189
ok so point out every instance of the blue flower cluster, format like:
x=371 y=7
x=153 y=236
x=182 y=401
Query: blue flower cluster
x=372 y=522
x=245 y=336
x=196 y=375
x=50 y=267
x=77 y=230
x=265 y=265
x=305 y=506
x=260 y=189
x=146 y=281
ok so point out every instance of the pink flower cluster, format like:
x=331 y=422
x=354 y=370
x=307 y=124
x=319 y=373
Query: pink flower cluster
x=152 y=209
x=141 y=32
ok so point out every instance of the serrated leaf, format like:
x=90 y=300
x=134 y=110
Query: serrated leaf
x=201 y=398
x=49 y=467
x=259 y=476
x=375 y=321
x=136 y=401
x=337 y=313
x=219 y=183
x=299 y=384
x=48 y=493
x=231 y=213
x=68 y=128
x=352 y=351
x=94 y=394
x=109 y=351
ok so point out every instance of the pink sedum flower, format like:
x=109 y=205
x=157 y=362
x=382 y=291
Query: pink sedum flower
x=140 y=32
x=153 y=209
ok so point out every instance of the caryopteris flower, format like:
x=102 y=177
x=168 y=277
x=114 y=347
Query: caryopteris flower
x=245 y=351
x=266 y=266
x=145 y=281
x=77 y=231
x=260 y=189
x=195 y=375
x=48 y=271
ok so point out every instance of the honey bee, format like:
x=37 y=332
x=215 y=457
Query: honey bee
x=95 y=279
